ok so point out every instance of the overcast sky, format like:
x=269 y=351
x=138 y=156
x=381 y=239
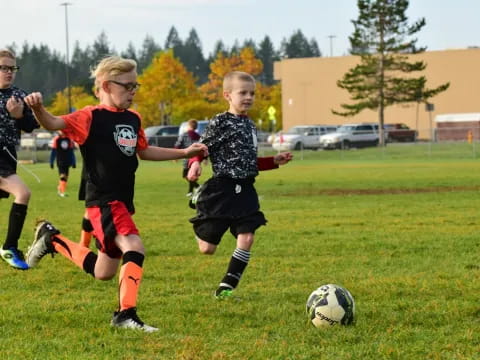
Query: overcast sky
x=450 y=23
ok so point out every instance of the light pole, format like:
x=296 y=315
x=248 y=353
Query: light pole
x=331 y=37
x=67 y=59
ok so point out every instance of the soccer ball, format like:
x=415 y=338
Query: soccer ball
x=330 y=305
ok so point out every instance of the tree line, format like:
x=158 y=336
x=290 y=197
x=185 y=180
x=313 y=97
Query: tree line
x=44 y=69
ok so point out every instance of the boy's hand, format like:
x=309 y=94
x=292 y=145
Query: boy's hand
x=194 y=172
x=196 y=149
x=15 y=107
x=34 y=100
x=282 y=158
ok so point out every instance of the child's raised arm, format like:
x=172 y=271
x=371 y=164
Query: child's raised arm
x=47 y=120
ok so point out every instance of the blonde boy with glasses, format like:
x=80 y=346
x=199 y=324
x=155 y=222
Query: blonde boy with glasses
x=111 y=139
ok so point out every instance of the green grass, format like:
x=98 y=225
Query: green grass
x=398 y=227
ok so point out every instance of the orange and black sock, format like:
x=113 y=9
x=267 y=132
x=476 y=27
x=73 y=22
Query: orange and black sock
x=78 y=254
x=129 y=280
x=86 y=234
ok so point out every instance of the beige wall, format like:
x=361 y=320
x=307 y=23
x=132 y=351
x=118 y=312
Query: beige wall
x=309 y=90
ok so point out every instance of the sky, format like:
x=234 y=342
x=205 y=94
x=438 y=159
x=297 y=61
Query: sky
x=450 y=24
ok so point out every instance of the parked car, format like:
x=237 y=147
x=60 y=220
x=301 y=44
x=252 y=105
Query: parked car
x=399 y=132
x=162 y=135
x=351 y=135
x=301 y=137
x=201 y=126
x=38 y=139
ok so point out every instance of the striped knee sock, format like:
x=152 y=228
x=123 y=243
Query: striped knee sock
x=238 y=263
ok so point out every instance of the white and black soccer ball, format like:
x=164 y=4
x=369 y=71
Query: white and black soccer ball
x=330 y=305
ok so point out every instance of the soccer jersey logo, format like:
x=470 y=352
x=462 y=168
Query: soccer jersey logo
x=126 y=139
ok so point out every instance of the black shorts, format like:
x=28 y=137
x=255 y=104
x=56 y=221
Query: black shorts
x=82 y=189
x=63 y=169
x=224 y=204
x=8 y=167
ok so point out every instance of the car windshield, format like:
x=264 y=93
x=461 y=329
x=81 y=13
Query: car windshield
x=296 y=131
x=345 y=128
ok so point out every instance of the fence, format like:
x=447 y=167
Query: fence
x=451 y=141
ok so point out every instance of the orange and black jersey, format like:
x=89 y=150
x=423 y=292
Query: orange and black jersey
x=62 y=151
x=109 y=140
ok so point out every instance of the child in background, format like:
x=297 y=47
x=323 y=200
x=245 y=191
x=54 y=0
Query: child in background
x=185 y=140
x=229 y=200
x=63 y=152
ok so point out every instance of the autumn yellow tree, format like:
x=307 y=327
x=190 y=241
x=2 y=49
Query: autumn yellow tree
x=79 y=99
x=265 y=97
x=167 y=92
x=244 y=61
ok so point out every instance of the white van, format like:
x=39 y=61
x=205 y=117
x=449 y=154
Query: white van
x=202 y=125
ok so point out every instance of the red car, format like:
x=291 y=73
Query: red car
x=399 y=132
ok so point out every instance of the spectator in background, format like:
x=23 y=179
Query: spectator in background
x=62 y=150
x=185 y=140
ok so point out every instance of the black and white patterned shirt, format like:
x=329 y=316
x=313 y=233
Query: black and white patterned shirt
x=232 y=146
x=10 y=127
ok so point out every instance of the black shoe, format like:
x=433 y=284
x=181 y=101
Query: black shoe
x=42 y=243
x=129 y=319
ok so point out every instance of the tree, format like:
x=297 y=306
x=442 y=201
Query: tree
x=79 y=97
x=298 y=46
x=244 y=61
x=147 y=53
x=192 y=57
x=166 y=86
x=267 y=54
x=383 y=39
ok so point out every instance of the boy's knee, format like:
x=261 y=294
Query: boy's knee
x=104 y=277
x=23 y=196
x=205 y=247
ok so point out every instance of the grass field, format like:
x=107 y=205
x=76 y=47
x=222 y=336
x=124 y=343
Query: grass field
x=397 y=227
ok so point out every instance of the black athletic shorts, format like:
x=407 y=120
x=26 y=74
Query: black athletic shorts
x=63 y=169
x=224 y=204
x=8 y=166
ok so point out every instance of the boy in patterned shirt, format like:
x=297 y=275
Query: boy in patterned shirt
x=14 y=116
x=229 y=200
x=110 y=138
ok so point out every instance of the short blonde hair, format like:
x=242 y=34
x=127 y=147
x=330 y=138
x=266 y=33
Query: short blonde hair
x=7 y=53
x=110 y=67
x=233 y=75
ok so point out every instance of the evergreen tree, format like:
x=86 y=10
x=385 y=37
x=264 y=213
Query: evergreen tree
x=130 y=52
x=147 y=53
x=266 y=52
x=100 y=48
x=298 y=46
x=81 y=64
x=382 y=39
x=173 y=40
x=192 y=57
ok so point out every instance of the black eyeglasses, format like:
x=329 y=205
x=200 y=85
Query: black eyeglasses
x=127 y=86
x=5 y=68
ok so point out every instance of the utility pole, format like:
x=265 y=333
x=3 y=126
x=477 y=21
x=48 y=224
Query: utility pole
x=331 y=37
x=67 y=59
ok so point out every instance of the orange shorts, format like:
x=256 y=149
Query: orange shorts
x=108 y=222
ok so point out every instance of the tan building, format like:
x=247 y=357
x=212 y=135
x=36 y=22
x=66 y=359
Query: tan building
x=310 y=92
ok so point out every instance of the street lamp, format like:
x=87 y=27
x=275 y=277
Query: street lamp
x=331 y=37
x=67 y=58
